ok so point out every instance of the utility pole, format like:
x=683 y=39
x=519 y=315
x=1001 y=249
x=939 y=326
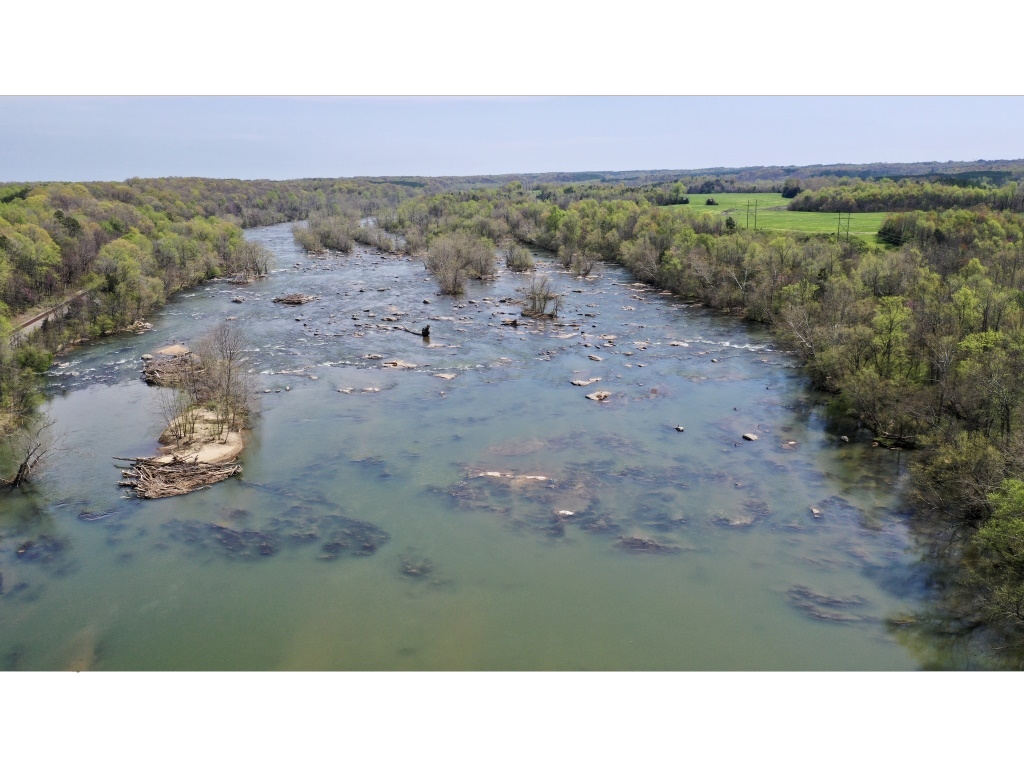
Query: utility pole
x=848 y=214
x=755 y=215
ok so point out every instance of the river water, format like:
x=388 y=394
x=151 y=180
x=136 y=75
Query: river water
x=421 y=525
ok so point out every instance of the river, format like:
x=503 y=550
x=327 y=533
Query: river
x=422 y=523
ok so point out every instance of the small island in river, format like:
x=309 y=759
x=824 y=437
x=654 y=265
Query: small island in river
x=207 y=403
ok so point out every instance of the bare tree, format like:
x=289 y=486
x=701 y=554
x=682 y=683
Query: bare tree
x=541 y=299
x=32 y=447
x=252 y=259
x=517 y=258
x=444 y=262
x=323 y=231
x=453 y=258
x=583 y=263
x=178 y=408
x=480 y=259
x=228 y=386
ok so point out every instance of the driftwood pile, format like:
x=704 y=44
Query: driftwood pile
x=155 y=478
x=168 y=371
x=294 y=299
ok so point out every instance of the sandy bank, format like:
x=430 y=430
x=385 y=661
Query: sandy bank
x=173 y=349
x=205 y=446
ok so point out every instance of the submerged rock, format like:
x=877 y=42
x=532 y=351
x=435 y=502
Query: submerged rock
x=645 y=545
x=91 y=516
x=44 y=550
x=600 y=396
x=231 y=542
x=824 y=607
x=416 y=568
x=600 y=524
x=341 y=536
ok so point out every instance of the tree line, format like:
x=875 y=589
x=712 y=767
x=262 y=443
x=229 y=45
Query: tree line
x=908 y=195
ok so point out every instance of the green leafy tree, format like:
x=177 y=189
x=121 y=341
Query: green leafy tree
x=891 y=325
x=791 y=188
x=997 y=559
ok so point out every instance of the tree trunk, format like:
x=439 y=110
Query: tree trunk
x=22 y=475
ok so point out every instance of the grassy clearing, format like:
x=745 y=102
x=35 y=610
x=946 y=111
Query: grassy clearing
x=772 y=215
x=738 y=200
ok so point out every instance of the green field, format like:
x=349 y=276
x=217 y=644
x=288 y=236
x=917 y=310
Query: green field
x=772 y=215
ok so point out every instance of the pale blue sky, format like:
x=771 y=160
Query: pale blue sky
x=113 y=138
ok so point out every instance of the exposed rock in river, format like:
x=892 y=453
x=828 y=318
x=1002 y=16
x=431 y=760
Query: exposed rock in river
x=294 y=299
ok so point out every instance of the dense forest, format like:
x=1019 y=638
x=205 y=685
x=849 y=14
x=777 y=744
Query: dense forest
x=919 y=340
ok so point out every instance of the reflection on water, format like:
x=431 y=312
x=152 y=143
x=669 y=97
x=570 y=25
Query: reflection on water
x=475 y=511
